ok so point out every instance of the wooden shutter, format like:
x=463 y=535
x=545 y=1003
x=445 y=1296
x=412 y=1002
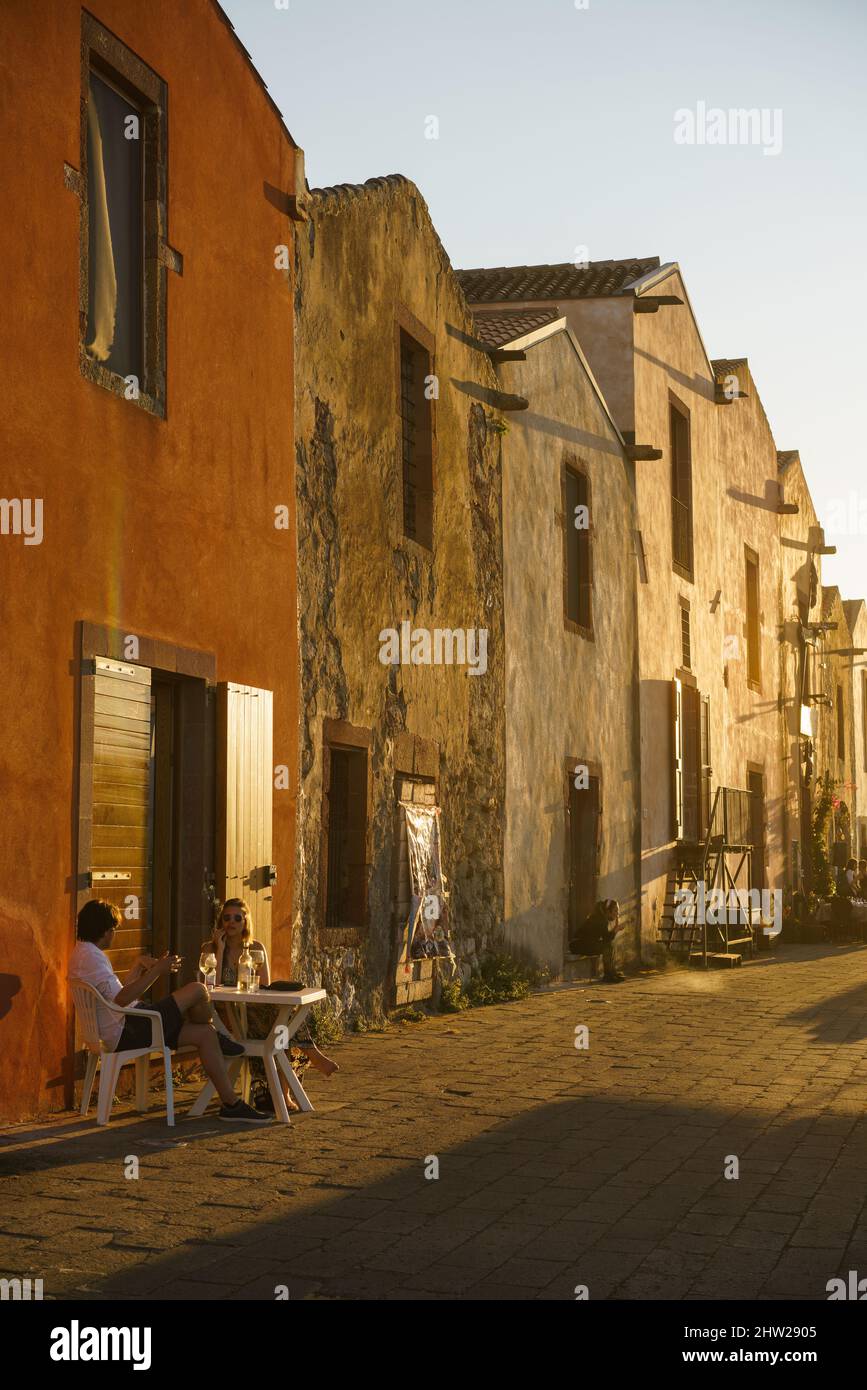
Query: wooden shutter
x=245 y=781
x=677 y=744
x=706 y=769
x=119 y=696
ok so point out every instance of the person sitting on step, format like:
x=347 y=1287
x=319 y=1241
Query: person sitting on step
x=595 y=937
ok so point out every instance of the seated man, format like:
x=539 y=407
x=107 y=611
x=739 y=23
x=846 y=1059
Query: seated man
x=595 y=937
x=186 y=1014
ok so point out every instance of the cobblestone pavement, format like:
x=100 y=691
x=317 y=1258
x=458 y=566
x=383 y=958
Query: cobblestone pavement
x=557 y=1166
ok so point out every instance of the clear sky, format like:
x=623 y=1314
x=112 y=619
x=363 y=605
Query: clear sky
x=557 y=130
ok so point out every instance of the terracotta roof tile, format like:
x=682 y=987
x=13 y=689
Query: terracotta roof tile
x=724 y=365
x=343 y=193
x=516 y=282
x=495 y=327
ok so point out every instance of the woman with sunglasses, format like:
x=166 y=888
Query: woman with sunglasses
x=232 y=933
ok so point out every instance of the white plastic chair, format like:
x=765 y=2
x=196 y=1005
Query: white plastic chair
x=86 y=1000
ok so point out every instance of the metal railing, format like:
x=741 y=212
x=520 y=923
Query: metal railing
x=731 y=820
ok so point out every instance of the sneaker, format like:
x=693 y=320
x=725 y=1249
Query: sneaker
x=229 y=1047
x=243 y=1114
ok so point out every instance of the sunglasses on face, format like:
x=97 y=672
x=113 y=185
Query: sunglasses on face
x=233 y=916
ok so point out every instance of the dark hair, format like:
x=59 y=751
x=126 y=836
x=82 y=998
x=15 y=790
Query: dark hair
x=96 y=918
x=852 y=864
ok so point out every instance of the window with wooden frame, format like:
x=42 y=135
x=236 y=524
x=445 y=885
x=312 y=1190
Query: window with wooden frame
x=841 y=724
x=577 y=549
x=685 y=635
x=124 y=253
x=681 y=490
x=417 y=424
x=345 y=831
x=753 y=610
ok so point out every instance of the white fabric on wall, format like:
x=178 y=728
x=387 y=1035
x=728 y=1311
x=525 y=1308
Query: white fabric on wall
x=100 y=249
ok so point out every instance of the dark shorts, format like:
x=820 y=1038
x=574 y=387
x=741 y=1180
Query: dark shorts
x=137 y=1031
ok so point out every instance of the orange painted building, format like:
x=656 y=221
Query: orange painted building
x=148 y=641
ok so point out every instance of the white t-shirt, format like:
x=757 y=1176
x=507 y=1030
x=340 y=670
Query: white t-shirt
x=92 y=965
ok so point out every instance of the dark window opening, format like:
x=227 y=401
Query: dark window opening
x=681 y=492
x=346 y=880
x=578 y=561
x=115 y=205
x=754 y=647
x=416 y=441
x=841 y=727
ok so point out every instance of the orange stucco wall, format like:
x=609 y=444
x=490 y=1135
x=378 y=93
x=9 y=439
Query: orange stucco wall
x=164 y=528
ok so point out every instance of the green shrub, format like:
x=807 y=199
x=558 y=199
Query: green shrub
x=500 y=979
x=452 y=997
x=822 y=880
x=412 y=1015
x=324 y=1023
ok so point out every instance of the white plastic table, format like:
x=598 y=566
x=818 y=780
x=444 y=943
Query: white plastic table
x=292 y=1010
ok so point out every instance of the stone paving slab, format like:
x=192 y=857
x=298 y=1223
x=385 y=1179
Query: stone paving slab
x=557 y=1166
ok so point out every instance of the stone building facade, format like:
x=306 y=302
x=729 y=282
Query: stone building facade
x=399 y=535
x=573 y=795
x=728 y=565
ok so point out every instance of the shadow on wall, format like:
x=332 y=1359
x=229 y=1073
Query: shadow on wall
x=10 y=985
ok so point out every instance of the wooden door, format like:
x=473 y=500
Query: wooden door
x=584 y=837
x=756 y=788
x=245 y=772
x=691 y=761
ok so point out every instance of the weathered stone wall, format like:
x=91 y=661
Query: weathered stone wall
x=800 y=601
x=856 y=614
x=568 y=695
x=749 y=516
x=836 y=676
x=371 y=254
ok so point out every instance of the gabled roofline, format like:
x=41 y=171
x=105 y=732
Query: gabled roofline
x=551 y=330
x=647 y=281
x=221 y=14
x=664 y=272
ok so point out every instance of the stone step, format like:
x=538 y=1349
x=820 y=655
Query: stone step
x=720 y=960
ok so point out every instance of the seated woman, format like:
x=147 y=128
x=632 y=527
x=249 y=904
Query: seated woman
x=232 y=932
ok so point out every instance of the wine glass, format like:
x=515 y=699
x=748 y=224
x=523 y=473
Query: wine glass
x=208 y=967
